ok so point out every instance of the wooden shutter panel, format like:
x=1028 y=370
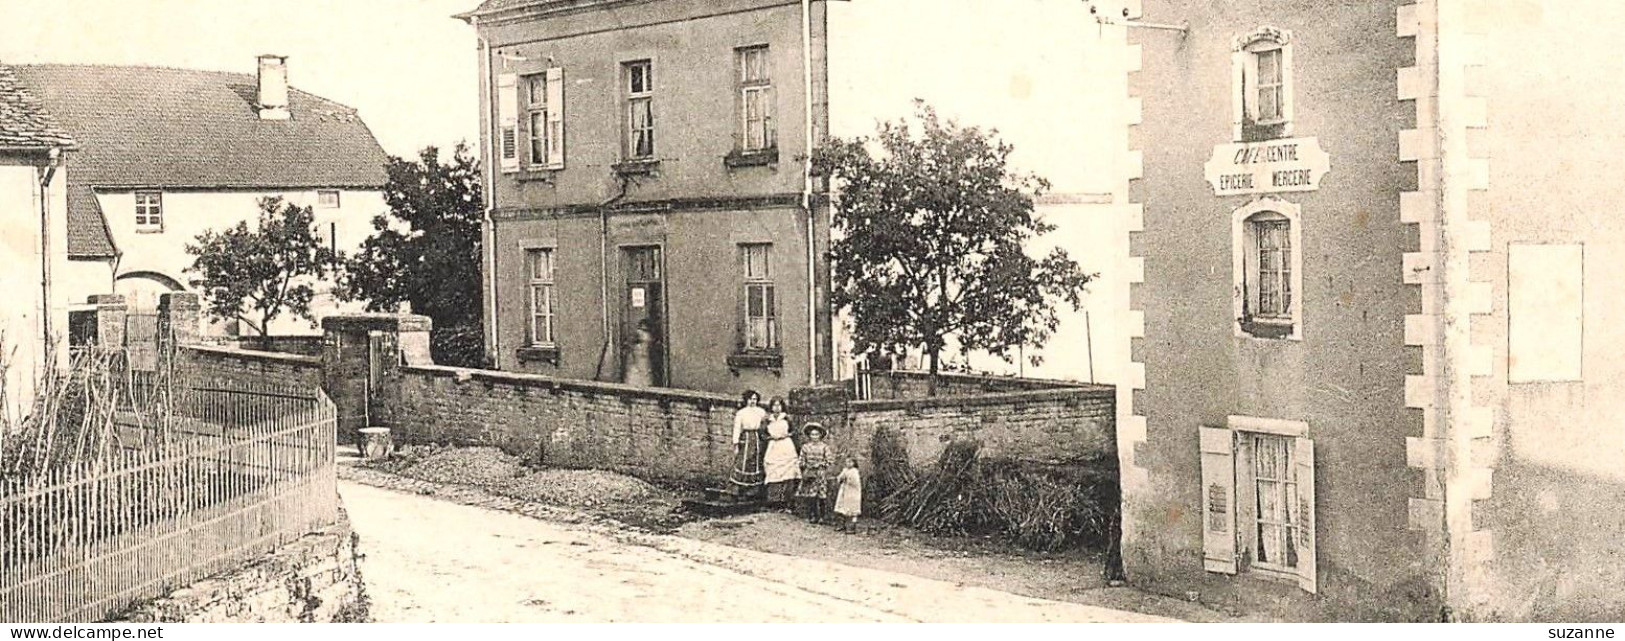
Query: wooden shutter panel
x=508 y=121
x=555 y=118
x=1305 y=474
x=1218 y=500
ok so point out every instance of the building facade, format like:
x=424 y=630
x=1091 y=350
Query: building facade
x=170 y=153
x=653 y=219
x=1373 y=379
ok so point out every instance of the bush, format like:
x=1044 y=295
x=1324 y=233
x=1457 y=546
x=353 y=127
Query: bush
x=1036 y=506
x=458 y=345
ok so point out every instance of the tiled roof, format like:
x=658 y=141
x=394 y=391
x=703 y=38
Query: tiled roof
x=23 y=123
x=497 y=6
x=176 y=128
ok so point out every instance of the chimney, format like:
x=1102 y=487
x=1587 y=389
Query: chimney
x=273 y=95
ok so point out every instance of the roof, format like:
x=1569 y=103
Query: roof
x=24 y=124
x=162 y=128
x=490 y=7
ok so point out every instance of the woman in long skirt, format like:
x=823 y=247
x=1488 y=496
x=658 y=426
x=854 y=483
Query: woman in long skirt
x=781 y=463
x=749 y=441
x=816 y=460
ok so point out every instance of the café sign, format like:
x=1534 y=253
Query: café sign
x=1273 y=166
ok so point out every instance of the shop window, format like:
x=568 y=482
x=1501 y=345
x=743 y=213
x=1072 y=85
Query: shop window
x=1258 y=500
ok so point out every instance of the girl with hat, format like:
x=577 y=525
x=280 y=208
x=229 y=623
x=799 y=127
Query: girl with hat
x=817 y=459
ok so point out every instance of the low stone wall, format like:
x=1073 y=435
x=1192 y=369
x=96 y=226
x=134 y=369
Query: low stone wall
x=312 y=580
x=296 y=345
x=1054 y=426
x=901 y=384
x=653 y=433
x=243 y=369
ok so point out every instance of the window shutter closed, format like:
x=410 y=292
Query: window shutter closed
x=555 y=118
x=1218 y=500
x=1305 y=475
x=508 y=121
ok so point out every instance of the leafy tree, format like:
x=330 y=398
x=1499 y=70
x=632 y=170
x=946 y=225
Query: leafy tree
x=426 y=251
x=931 y=230
x=255 y=275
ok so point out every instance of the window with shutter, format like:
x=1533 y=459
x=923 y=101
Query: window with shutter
x=555 y=118
x=508 y=121
x=1272 y=473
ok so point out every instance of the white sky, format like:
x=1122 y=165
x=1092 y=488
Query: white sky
x=1027 y=67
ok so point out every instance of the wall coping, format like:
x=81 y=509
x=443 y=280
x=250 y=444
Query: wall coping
x=552 y=383
x=985 y=400
x=1003 y=380
x=291 y=359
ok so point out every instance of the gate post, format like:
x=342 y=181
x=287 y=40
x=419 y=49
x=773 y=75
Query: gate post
x=362 y=355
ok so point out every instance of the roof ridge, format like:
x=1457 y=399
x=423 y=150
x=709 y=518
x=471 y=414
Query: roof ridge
x=247 y=76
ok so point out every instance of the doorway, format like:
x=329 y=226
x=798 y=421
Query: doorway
x=643 y=323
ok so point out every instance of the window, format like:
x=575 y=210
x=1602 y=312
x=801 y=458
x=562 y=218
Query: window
x=544 y=120
x=1258 y=500
x=1262 y=75
x=149 y=211
x=1268 y=274
x=539 y=264
x=760 y=314
x=327 y=199
x=1545 y=313
x=640 y=117
x=756 y=100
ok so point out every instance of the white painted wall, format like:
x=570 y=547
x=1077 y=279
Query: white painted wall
x=189 y=213
x=1036 y=71
x=22 y=330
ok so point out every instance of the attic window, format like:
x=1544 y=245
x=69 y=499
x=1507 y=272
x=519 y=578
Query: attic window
x=327 y=199
x=149 y=211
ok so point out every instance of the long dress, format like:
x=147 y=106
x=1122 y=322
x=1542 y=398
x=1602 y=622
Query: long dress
x=749 y=439
x=849 y=498
x=816 y=459
x=639 y=365
x=781 y=463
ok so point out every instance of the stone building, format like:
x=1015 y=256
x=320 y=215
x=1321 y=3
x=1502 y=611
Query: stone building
x=1374 y=377
x=653 y=218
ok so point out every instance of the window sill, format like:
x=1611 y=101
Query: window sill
x=538 y=353
x=641 y=167
x=1267 y=328
x=150 y=230
x=1263 y=131
x=538 y=175
x=756 y=360
x=753 y=158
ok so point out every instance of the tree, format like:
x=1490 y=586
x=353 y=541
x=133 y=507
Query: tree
x=255 y=275
x=931 y=235
x=426 y=251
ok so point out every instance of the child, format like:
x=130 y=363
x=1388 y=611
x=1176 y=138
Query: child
x=849 y=498
x=816 y=461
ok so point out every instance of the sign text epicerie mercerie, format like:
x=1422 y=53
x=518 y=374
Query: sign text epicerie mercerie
x=1292 y=164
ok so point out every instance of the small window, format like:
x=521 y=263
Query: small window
x=327 y=199
x=149 y=211
x=756 y=106
x=1268 y=278
x=640 y=117
x=760 y=313
x=539 y=263
x=544 y=119
x=1262 y=70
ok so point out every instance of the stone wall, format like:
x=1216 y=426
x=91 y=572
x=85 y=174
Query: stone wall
x=901 y=384
x=654 y=433
x=243 y=369
x=312 y=580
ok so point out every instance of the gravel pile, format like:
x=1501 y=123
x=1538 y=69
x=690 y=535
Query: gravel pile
x=481 y=466
x=581 y=488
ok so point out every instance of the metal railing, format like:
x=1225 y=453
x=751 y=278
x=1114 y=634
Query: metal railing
x=216 y=476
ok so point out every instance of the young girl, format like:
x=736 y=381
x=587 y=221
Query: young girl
x=816 y=461
x=849 y=498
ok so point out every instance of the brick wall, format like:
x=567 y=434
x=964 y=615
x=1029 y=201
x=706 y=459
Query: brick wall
x=654 y=433
x=242 y=369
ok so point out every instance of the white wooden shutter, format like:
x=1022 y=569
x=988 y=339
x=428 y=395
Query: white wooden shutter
x=1305 y=474
x=508 y=121
x=1218 y=500
x=555 y=118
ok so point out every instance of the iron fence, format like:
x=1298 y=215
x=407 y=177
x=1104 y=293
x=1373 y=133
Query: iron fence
x=215 y=476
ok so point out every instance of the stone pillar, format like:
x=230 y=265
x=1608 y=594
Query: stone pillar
x=362 y=356
x=178 y=316
x=107 y=333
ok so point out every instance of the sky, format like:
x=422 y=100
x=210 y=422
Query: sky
x=1027 y=67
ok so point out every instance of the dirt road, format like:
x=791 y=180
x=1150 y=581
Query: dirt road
x=428 y=559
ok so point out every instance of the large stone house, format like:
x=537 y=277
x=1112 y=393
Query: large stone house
x=169 y=153
x=1377 y=378
x=33 y=322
